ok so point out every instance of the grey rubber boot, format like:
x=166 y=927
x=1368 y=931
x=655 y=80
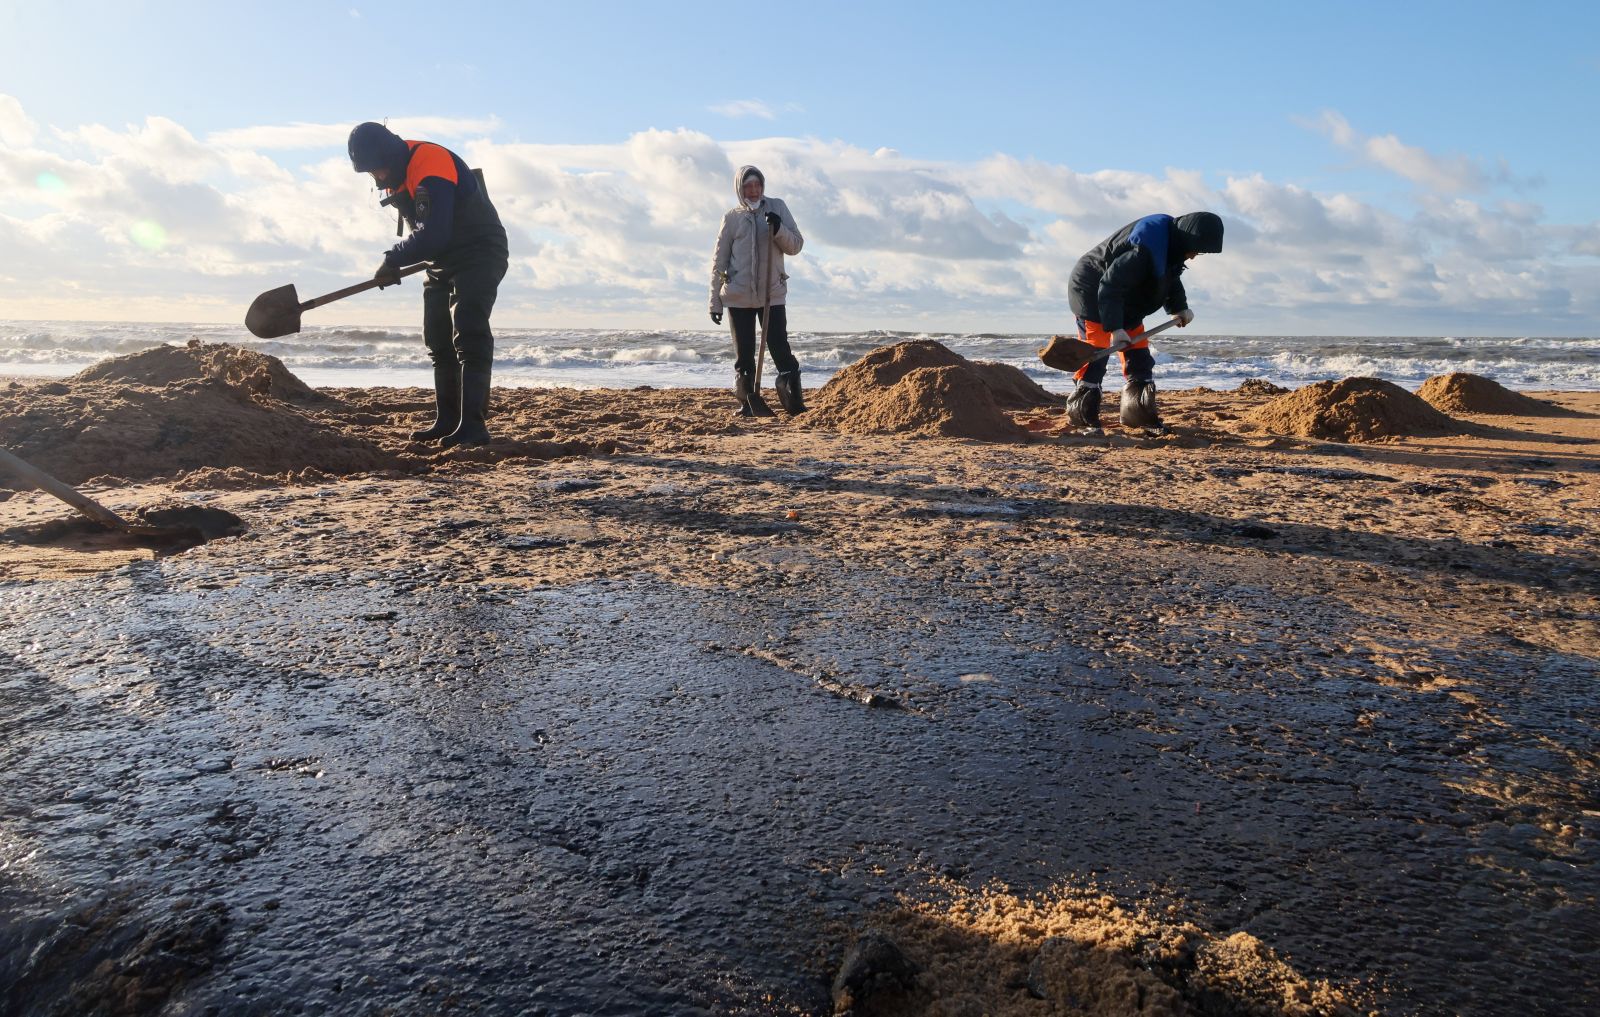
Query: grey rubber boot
x=447 y=401
x=750 y=402
x=1139 y=405
x=474 y=409
x=1083 y=406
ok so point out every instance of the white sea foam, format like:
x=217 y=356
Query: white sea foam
x=693 y=358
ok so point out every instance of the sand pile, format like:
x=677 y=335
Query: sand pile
x=245 y=369
x=143 y=427
x=1260 y=387
x=1459 y=392
x=1077 y=950
x=1354 y=409
x=922 y=388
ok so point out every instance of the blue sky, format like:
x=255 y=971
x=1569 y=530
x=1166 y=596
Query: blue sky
x=1457 y=138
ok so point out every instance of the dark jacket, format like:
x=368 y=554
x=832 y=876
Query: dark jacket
x=1136 y=270
x=448 y=209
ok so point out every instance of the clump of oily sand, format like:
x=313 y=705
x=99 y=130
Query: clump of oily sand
x=1353 y=409
x=1459 y=392
x=1260 y=387
x=232 y=478
x=82 y=429
x=920 y=388
x=1077 y=950
x=255 y=373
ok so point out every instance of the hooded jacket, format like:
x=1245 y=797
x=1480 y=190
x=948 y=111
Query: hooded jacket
x=1137 y=269
x=444 y=202
x=744 y=255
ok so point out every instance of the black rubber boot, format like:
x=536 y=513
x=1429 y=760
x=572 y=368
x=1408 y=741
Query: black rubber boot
x=750 y=402
x=1083 y=406
x=789 y=393
x=447 y=399
x=1139 y=405
x=474 y=408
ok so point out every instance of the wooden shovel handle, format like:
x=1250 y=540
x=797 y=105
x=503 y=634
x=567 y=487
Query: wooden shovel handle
x=45 y=482
x=350 y=291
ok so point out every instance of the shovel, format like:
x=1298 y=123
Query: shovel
x=1068 y=354
x=83 y=503
x=277 y=312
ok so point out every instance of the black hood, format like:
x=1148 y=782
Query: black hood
x=374 y=146
x=1197 y=231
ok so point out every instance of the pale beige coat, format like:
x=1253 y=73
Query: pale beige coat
x=747 y=248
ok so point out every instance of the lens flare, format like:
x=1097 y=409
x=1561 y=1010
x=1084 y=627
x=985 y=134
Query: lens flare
x=148 y=234
x=50 y=183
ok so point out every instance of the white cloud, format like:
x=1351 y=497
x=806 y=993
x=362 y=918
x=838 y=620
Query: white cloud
x=17 y=129
x=736 y=108
x=148 y=220
x=303 y=135
x=1445 y=174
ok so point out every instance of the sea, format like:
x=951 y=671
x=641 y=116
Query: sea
x=626 y=358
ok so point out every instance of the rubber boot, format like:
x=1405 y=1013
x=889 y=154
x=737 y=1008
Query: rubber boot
x=1083 y=406
x=789 y=393
x=447 y=399
x=474 y=408
x=750 y=402
x=1139 y=405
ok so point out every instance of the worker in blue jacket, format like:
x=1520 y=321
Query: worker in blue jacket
x=1133 y=273
x=456 y=230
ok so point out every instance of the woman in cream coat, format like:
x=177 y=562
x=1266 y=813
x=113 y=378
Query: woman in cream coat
x=747 y=277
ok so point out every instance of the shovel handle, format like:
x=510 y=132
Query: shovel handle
x=45 y=482
x=1147 y=333
x=362 y=287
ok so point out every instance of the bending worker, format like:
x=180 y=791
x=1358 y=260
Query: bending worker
x=1131 y=274
x=456 y=230
x=747 y=278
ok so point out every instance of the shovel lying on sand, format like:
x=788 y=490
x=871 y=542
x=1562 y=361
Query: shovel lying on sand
x=88 y=506
x=277 y=312
x=1066 y=353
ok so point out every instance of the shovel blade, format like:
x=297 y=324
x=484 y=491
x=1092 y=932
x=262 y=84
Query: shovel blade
x=1067 y=354
x=274 y=313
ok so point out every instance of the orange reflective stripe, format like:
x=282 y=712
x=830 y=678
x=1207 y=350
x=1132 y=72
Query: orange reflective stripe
x=428 y=160
x=1095 y=335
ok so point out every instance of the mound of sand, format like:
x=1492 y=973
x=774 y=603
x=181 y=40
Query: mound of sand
x=1459 y=392
x=922 y=388
x=1354 y=409
x=177 y=410
x=1260 y=387
x=1078 y=950
x=255 y=373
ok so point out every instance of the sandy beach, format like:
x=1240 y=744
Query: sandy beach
x=645 y=708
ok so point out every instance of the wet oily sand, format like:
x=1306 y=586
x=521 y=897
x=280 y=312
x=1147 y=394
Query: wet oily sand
x=1073 y=950
x=1460 y=392
x=921 y=388
x=1354 y=410
x=503 y=735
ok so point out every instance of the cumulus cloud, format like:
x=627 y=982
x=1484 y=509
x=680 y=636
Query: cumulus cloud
x=303 y=135
x=1454 y=174
x=17 y=129
x=148 y=220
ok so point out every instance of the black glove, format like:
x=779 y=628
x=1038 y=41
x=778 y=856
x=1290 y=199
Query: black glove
x=716 y=317
x=386 y=275
x=774 y=220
